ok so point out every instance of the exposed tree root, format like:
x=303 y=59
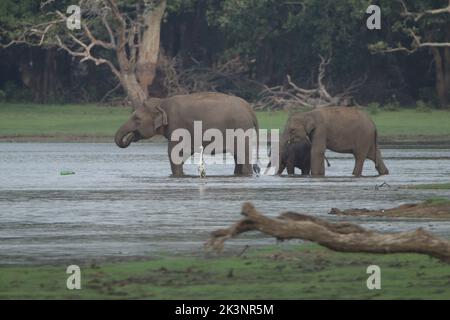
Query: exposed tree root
x=345 y=237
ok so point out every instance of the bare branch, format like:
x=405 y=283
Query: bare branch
x=44 y=3
x=416 y=45
x=86 y=54
x=108 y=28
x=416 y=39
x=292 y=96
x=419 y=15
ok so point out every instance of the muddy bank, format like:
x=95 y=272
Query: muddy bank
x=428 y=209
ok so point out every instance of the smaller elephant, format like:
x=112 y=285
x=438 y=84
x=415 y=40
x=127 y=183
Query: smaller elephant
x=339 y=129
x=296 y=155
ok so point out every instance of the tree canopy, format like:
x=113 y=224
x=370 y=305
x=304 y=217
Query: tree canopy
x=407 y=60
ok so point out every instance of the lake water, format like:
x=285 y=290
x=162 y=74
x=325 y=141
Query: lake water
x=123 y=203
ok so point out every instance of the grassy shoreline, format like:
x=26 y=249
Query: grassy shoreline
x=304 y=271
x=91 y=123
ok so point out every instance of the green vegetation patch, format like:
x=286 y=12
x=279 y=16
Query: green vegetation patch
x=60 y=120
x=431 y=186
x=278 y=272
x=32 y=120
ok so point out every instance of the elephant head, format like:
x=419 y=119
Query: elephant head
x=145 y=122
x=293 y=154
x=296 y=138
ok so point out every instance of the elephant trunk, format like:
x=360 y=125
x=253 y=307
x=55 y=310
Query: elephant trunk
x=124 y=136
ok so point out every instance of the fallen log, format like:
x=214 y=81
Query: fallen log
x=337 y=236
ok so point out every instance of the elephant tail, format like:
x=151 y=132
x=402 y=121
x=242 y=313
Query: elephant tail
x=256 y=166
x=379 y=163
x=376 y=146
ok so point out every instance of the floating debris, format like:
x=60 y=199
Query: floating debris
x=66 y=173
x=384 y=185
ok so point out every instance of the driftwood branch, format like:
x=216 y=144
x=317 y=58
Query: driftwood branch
x=339 y=236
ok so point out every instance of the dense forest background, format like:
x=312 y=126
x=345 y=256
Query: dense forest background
x=246 y=46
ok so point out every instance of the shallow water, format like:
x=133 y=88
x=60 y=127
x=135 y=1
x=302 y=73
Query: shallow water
x=123 y=203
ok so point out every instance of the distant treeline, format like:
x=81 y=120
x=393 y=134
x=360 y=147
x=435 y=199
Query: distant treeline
x=265 y=40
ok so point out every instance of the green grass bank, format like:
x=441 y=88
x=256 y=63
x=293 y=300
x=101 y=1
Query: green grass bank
x=90 y=122
x=304 y=271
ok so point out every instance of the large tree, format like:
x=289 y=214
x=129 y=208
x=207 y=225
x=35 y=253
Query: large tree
x=421 y=25
x=121 y=34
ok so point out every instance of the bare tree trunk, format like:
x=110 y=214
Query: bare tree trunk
x=149 y=49
x=441 y=87
x=135 y=92
x=447 y=74
x=345 y=237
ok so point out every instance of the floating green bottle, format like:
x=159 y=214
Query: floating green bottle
x=66 y=173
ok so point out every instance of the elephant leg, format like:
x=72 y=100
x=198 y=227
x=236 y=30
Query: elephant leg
x=177 y=169
x=245 y=168
x=242 y=169
x=238 y=168
x=175 y=165
x=290 y=168
x=375 y=156
x=317 y=158
x=281 y=168
x=305 y=170
x=359 y=164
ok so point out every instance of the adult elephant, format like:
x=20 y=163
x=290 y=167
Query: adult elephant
x=340 y=129
x=215 y=111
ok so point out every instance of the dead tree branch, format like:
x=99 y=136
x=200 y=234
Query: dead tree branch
x=291 y=95
x=344 y=237
x=229 y=76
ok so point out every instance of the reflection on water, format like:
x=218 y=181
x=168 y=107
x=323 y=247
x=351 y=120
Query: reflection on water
x=123 y=202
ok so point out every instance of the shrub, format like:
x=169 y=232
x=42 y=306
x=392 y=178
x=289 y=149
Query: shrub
x=373 y=108
x=391 y=106
x=422 y=106
x=14 y=93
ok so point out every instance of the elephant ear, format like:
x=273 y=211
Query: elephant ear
x=160 y=118
x=310 y=126
x=159 y=115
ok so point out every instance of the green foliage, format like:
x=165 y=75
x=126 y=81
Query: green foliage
x=391 y=106
x=14 y=14
x=14 y=93
x=438 y=200
x=289 y=36
x=422 y=107
x=373 y=108
x=428 y=95
x=399 y=24
x=433 y=186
